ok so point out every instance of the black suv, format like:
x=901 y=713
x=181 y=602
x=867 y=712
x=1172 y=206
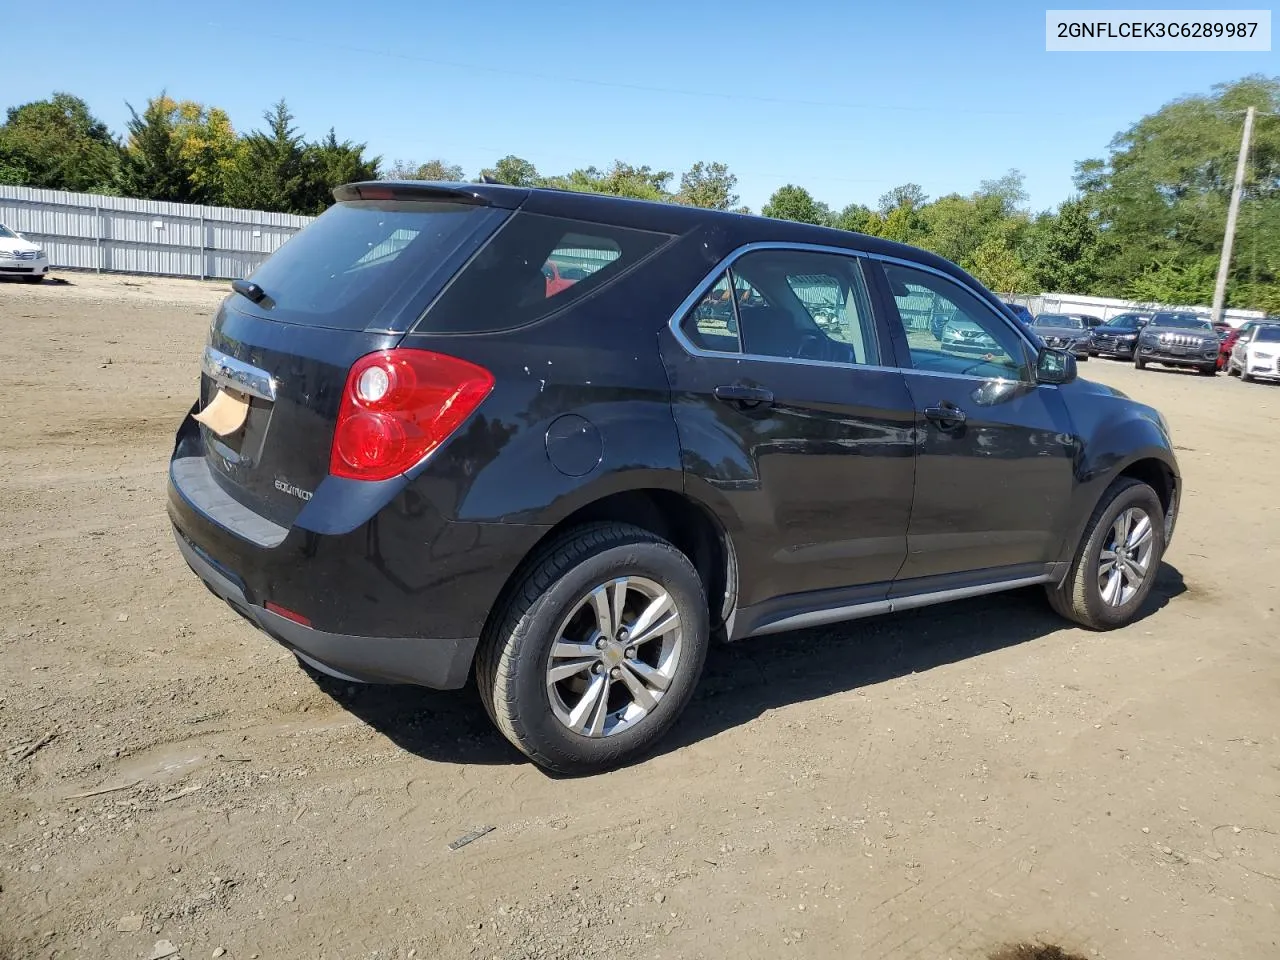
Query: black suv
x=1179 y=340
x=415 y=456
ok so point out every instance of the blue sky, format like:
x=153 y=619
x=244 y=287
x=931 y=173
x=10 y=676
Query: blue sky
x=845 y=97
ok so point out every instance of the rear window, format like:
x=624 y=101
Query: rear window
x=534 y=266
x=362 y=257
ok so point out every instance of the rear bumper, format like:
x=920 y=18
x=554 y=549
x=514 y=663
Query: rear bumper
x=441 y=664
x=394 y=592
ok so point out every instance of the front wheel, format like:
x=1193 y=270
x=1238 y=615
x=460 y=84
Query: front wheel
x=1115 y=566
x=1245 y=375
x=1209 y=370
x=1139 y=363
x=597 y=649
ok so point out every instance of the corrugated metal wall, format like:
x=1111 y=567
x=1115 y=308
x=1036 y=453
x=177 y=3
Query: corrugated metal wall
x=1108 y=307
x=85 y=231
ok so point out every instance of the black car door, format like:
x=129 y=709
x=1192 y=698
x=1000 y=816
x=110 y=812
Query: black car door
x=793 y=431
x=994 y=469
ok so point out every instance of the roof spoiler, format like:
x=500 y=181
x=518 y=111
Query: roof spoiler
x=474 y=193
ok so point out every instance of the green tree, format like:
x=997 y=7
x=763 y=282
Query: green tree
x=206 y=148
x=996 y=261
x=791 y=202
x=1160 y=197
x=59 y=145
x=620 y=180
x=328 y=164
x=1064 y=249
x=1007 y=193
x=909 y=195
x=1175 y=283
x=272 y=169
x=708 y=185
x=515 y=171
x=154 y=165
x=858 y=218
x=903 y=224
x=436 y=170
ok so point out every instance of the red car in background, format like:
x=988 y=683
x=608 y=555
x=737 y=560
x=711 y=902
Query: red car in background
x=555 y=282
x=1228 y=342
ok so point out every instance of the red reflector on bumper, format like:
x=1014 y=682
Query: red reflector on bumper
x=288 y=614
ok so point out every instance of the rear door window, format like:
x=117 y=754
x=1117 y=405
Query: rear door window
x=787 y=304
x=510 y=282
x=360 y=258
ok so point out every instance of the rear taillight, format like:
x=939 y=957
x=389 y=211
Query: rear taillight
x=398 y=406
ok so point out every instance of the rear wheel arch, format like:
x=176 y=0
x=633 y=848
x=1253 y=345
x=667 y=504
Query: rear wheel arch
x=688 y=525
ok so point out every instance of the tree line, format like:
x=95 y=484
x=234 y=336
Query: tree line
x=1146 y=222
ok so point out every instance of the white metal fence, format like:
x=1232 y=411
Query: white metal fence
x=1108 y=307
x=84 y=231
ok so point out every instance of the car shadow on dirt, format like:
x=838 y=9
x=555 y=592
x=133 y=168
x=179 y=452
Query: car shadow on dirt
x=744 y=680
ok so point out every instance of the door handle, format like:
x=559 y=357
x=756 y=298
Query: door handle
x=741 y=393
x=946 y=415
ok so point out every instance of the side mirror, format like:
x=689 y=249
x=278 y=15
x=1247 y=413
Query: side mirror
x=1055 y=366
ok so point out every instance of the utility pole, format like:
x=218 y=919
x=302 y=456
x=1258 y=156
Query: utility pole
x=1224 y=265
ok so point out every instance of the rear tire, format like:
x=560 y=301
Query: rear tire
x=1087 y=595
x=549 y=623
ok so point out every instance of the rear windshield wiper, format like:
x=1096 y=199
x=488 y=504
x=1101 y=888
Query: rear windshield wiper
x=247 y=288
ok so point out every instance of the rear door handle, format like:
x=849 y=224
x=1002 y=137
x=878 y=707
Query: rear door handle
x=945 y=415
x=741 y=393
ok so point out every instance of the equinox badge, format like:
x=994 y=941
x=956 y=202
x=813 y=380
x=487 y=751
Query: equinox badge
x=285 y=487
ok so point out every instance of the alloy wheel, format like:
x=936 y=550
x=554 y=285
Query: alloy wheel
x=614 y=657
x=1125 y=560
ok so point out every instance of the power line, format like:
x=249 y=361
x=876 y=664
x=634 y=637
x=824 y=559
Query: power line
x=645 y=88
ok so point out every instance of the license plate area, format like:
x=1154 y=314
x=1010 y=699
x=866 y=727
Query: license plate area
x=242 y=448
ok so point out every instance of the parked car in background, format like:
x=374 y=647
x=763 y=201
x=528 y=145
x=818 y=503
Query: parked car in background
x=555 y=281
x=962 y=337
x=1178 y=339
x=1089 y=319
x=1020 y=311
x=1256 y=353
x=19 y=257
x=1118 y=336
x=1223 y=329
x=1063 y=331
x=1228 y=344
x=420 y=468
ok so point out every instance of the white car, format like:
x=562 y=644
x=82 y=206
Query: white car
x=20 y=257
x=1257 y=353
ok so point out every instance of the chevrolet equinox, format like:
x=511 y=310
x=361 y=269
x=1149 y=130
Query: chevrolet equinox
x=415 y=458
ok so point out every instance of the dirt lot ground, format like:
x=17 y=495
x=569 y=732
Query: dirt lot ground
x=928 y=785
